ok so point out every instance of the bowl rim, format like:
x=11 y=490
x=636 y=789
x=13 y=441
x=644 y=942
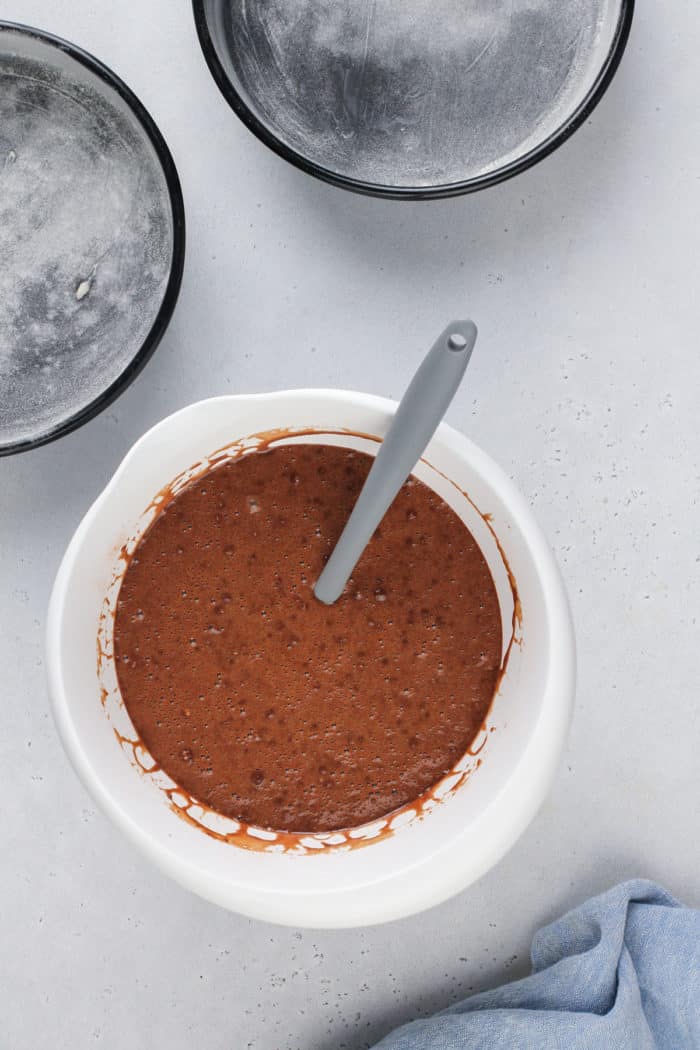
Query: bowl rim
x=425 y=882
x=416 y=193
x=177 y=260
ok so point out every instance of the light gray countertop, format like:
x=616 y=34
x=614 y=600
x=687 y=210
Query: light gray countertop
x=583 y=275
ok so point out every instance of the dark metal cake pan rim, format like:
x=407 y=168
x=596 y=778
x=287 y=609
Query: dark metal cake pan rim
x=415 y=193
x=167 y=165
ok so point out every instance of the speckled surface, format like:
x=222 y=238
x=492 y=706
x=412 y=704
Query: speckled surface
x=582 y=275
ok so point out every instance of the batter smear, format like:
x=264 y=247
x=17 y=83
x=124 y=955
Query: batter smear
x=277 y=710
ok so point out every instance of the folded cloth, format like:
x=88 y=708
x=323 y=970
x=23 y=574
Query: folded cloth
x=621 y=971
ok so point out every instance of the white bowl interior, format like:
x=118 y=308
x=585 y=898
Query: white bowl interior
x=427 y=858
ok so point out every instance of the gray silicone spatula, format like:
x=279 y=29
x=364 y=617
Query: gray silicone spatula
x=417 y=418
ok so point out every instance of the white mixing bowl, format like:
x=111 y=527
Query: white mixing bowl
x=401 y=868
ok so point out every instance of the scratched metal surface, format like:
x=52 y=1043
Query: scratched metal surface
x=86 y=238
x=415 y=92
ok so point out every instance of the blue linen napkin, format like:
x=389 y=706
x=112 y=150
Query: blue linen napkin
x=622 y=972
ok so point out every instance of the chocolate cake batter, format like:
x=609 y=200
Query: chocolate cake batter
x=273 y=708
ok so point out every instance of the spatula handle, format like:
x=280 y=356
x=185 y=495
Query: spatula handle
x=417 y=418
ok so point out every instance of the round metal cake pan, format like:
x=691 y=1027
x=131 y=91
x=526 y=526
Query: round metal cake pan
x=413 y=99
x=92 y=231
